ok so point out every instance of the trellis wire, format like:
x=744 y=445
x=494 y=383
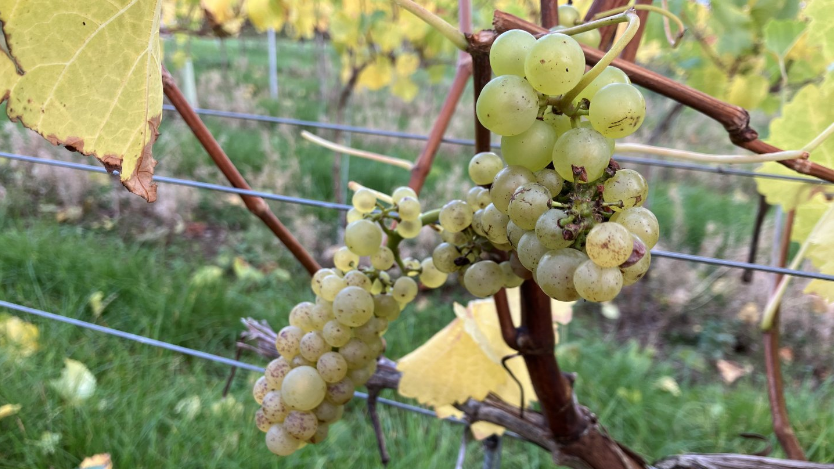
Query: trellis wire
x=206 y=356
x=466 y=142
x=318 y=203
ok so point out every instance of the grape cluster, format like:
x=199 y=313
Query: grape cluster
x=331 y=345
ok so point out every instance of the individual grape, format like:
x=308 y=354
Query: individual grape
x=353 y=306
x=560 y=122
x=555 y=271
x=550 y=179
x=612 y=143
x=518 y=268
x=627 y=186
x=568 y=15
x=431 y=276
x=298 y=360
x=354 y=215
x=506 y=56
x=300 y=316
x=484 y=279
x=321 y=433
x=409 y=208
x=609 y=244
x=260 y=389
x=484 y=166
x=315 y=282
x=274 y=407
x=301 y=424
x=303 y=388
x=595 y=283
x=321 y=314
x=530 y=250
x=514 y=233
x=276 y=371
x=331 y=286
x=376 y=287
x=506 y=182
x=511 y=280
x=527 y=204
x=280 y=442
x=341 y=392
x=444 y=257
x=590 y=38
x=478 y=198
x=455 y=216
x=345 y=260
x=287 y=341
x=507 y=105
x=383 y=259
x=532 y=148
x=368 y=331
x=376 y=346
x=641 y=222
x=355 y=278
x=549 y=232
x=458 y=239
x=582 y=148
x=364 y=200
x=312 y=346
x=409 y=229
x=412 y=266
x=606 y=77
x=356 y=353
x=494 y=224
x=363 y=237
x=617 y=110
x=555 y=64
x=401 y=192
x=404 y=290
x=385 y=306
x=477 y=226
x=332 y=367
x=262 y=422
x=484 y=199
x=336 y=334
x=636 y=271
x=328 y=412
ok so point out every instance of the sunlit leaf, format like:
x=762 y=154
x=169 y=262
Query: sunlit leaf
x=18 y=338
x=98 y=461
x=781 y=35
x=76 y=383
x=7 y=410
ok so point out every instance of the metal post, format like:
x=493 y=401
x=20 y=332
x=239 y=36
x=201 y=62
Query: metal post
x=273 y=63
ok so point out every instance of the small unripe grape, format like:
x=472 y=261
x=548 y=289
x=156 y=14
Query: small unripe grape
x=385 y=306
x=409 y=229
x=568 y=15
x=363 y=237
x=508 y=105
x=555 y=271
x=484 y=279
x=368 y=331
x=262 y=422
x=549 y=232
x=641 y=222
x=609 y=244
x=590 y=38
x=364 y=200
x=477 y=227
x=530 y=250
x=345 y=260
x=401 y=192
x=356 y=353
x=341 y=392
x=506 y=182
x=527 y=204
x=315 y=282
x=321 y=433
x=550 y=179
x=532 y=149
x=478 y=198
x=376 y=346
x=321 y=314
x=303 y=388
x=458 y=239
x=336 y=334
x=260 y=389
x=280 y=442
x=455 y=216
x=431 y=276
x=355 y=278
x=511 y=280
x=274 y=407
x=409 y=208
x=353 y=306
x=506 y=56
x=312 y=346
x=444 y=256
x=332 y=367
x=494 y=224
x=300 y=316
x=484 y=166
x=595 y=283
x=331 y=286
x=287 y=341
x=383 y=259
x=514 y=233
x=276 y=371
x=617 y=110
x=327 y=412
x=405 y=290
x=301 y=424
x=354 y=215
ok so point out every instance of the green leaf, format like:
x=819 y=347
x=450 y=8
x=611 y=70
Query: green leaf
x=781 y=35
x=821 y=29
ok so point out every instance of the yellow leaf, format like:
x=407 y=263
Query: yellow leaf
x=731 y=371
x=749 y=313
x=436 y=73
x=821 y=27
x=7 y=410
x=265 y=14
x=823 y=288
x=407 y=64
x=18 y=337
x=668 y=384
x=221 y=11
x=385 y=37
x=748 y=91
x=89 y=78
x=99 y=461
x=376 y=75
x=405 y=89
x=76 y=383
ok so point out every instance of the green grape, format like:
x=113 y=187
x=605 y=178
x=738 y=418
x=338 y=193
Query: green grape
x=627 y=186
x=641 y=222
x=609 y=75
x=279 y=442
x=595 y=283
x=403 y=191
x=617 y=110
x=475 y=196
x=377 y=287
x=301 y=424
x=506 y=182
x=303 y=388
x=412 y=266
x=287 y=341
x=262 y=422
x=457 y=239
x=354 y=215
x=364 y=200
x=550 y=234
x=353 y=306
x=511 y=280
x=312 y=346
x=477 y=226
x=555 y=64
x=276 y=371
x=321 y=433
x=332 y=367
x=298 y=360
x=444 y=257
x=385 y=306
x=274 y=407
x=345 y=260
x=484 y=279
x=514 y=233
x=484 y=199
x=327 y=412
x=590 y=38
x=568 y=15
x=506 y=56
x=494 y=224
x=431 y=276
x=341 y=392
x=636 y=271
x=530 y=250
x=527 y=204
x=355 y=278
x=409 y=208
x=409 y=229
x=560 y=122
x=518 y=268
x=260 y=389
x=356 y=353
x=376 y=346
x=507 y=105
x=532 y=148
x=363 y=237
x=383 y=259
x=360 y=376
x=405 y=290
x=315 y=282
x=370 y=330
x=582 y=148
x=300 y=316
x=484 y=166
x=555 y=271
x=320 y=314
x=331 y=286
x=336 y=334
x=455 y=216
x=550 y=179
x=609 y=244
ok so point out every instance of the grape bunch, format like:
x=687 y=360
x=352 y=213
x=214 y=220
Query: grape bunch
x=332 y=344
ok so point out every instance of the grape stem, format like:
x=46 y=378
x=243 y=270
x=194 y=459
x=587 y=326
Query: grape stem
x=369 y=155
x=452 y=33
x=566 y=103
x=667 y=15
x=707 y=158
x=394 y=238
x=355 y=186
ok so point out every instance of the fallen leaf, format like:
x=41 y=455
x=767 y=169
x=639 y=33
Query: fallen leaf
x=731 y=371
x=188 y=407
x=98 y=302
x=98 y=461
x=7 y=410
x=668 y=384
x=48 y=442
x=786 y=354
x=76 y=383
x=749 y=313
x=18 y=337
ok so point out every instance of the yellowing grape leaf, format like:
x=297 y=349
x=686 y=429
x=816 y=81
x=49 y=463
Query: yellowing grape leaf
x=18 y=338
x=748 y=91
x=821 y=28
x=7 y=410
x=98 y=461
x=76 y=383
x=265 y=14
x=405 y=89
x=86 y=74
x=376 y=75
x=821 y=244
x=223 y=16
